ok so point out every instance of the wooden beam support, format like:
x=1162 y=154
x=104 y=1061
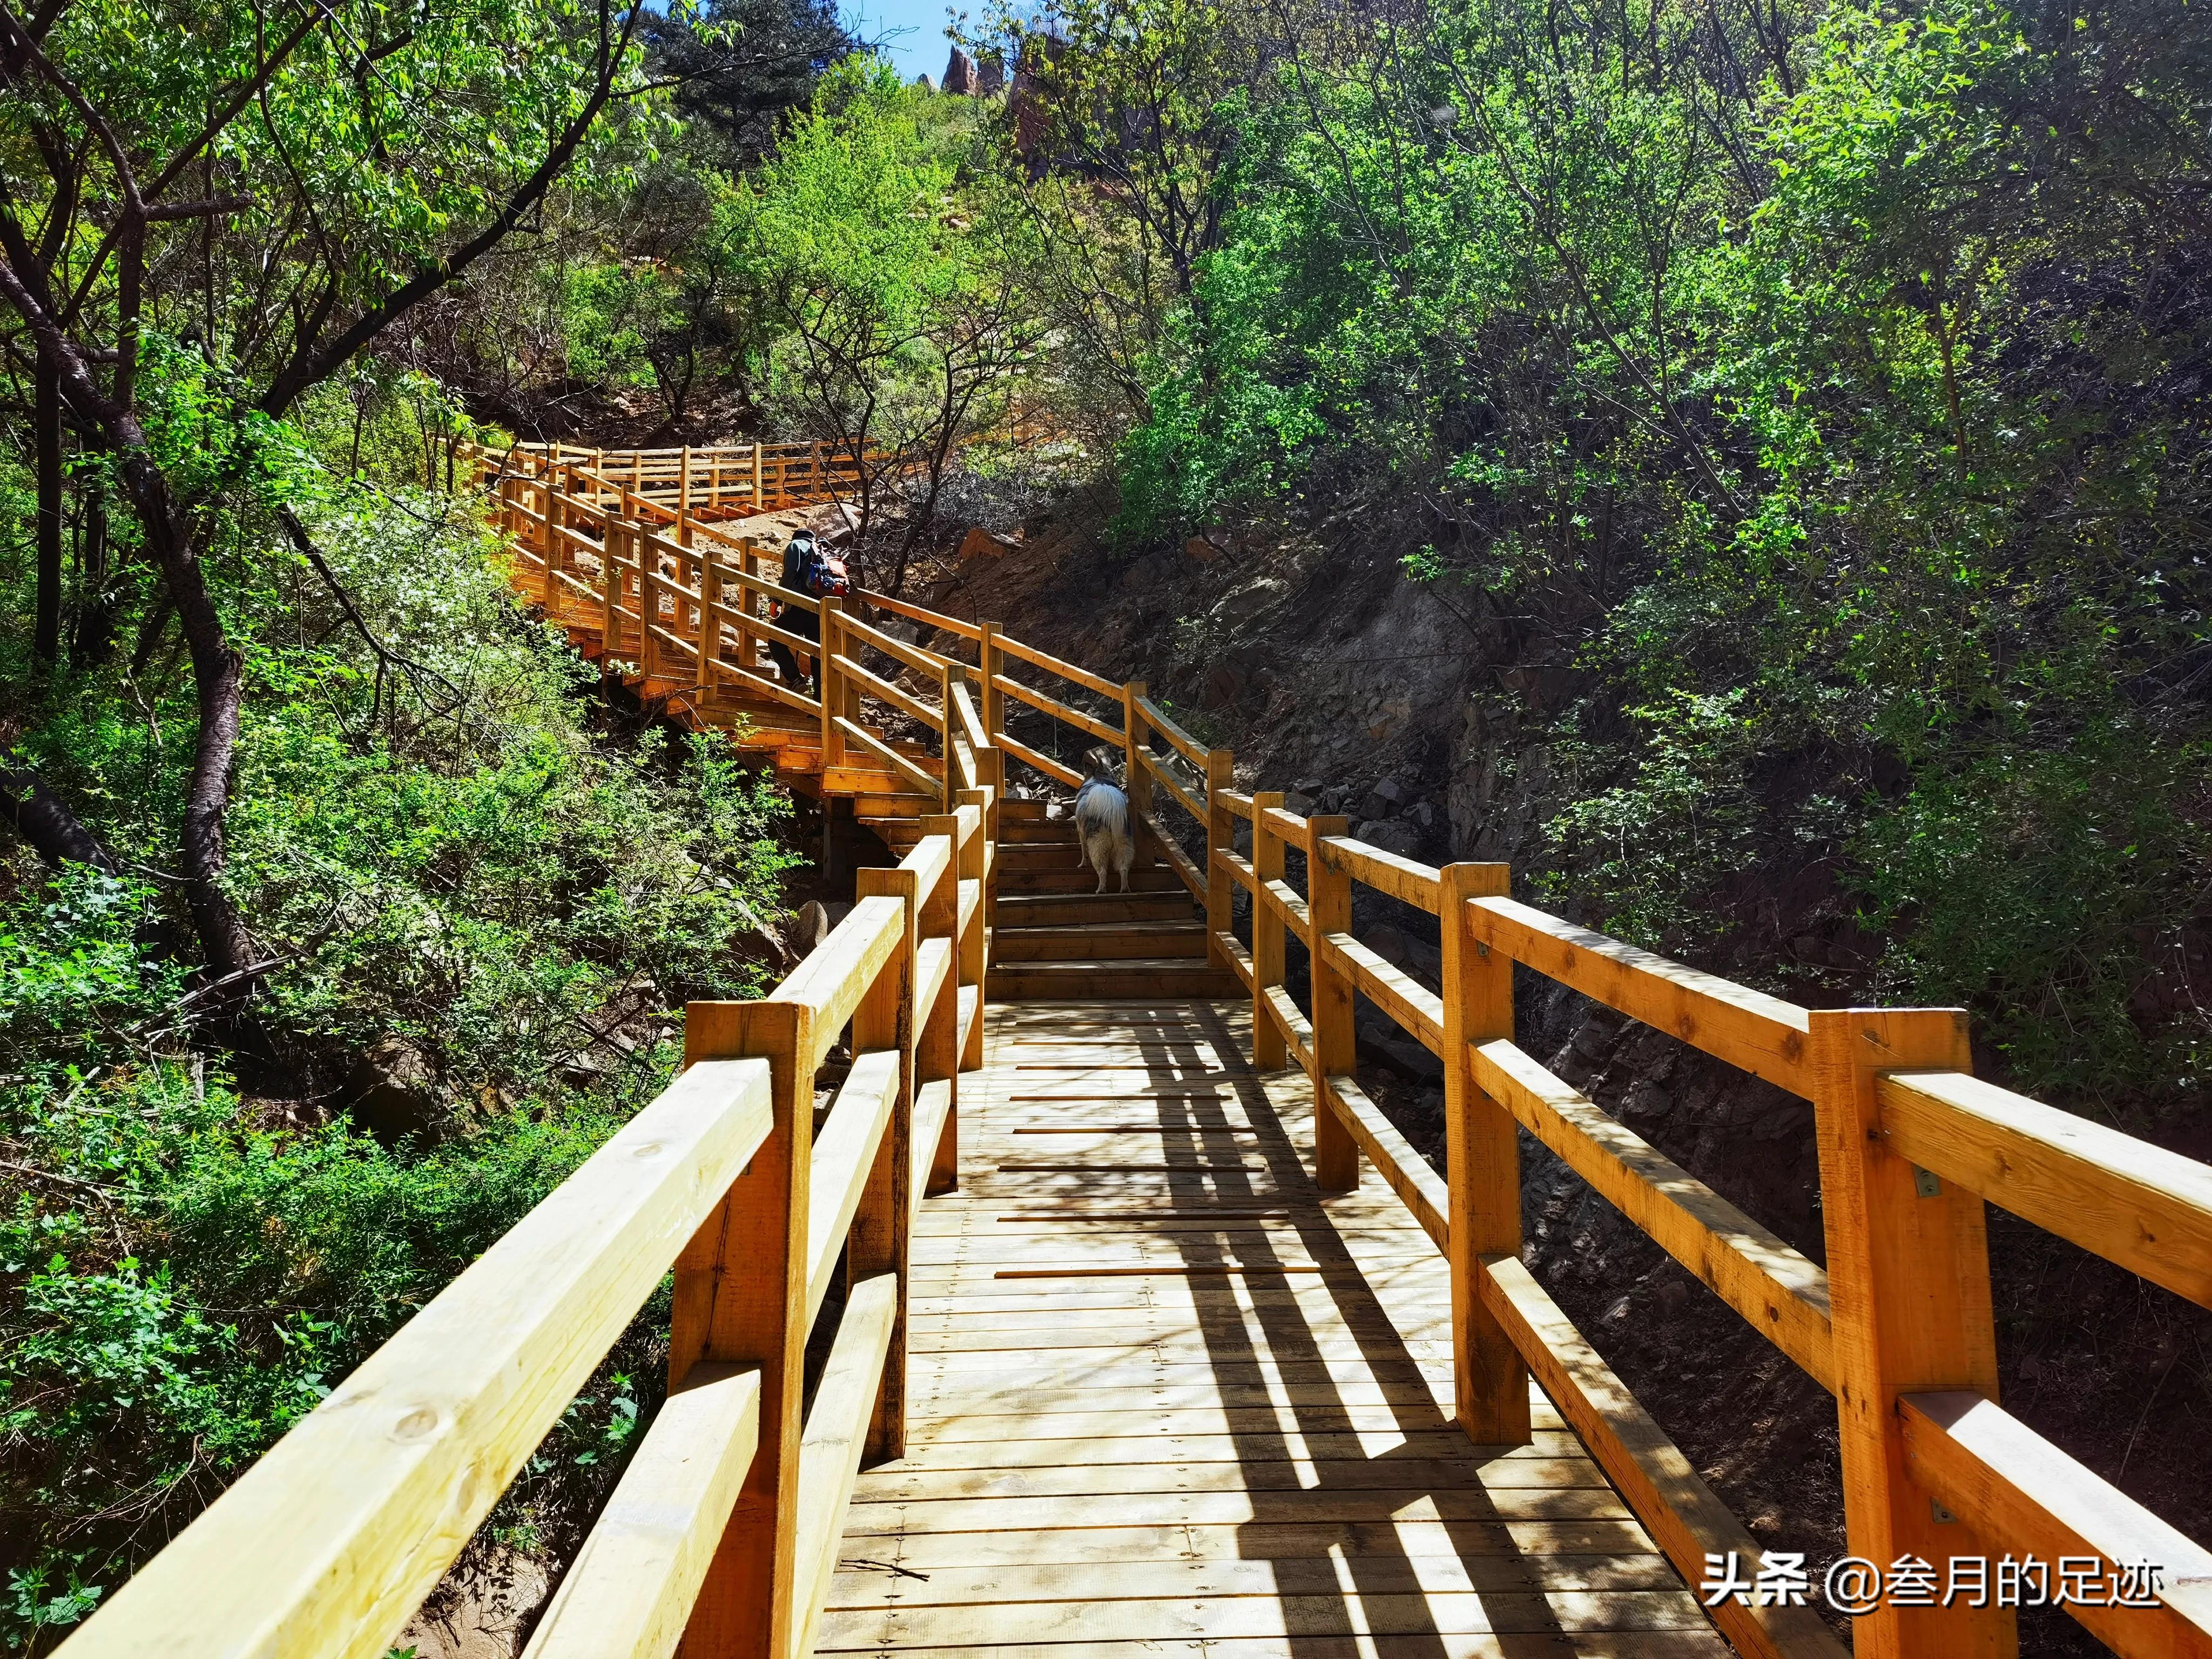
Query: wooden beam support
x=1335 y=1049
x=1267 y=952
x=630 y=1588
x=1909 y=1288
x=1482 y=1163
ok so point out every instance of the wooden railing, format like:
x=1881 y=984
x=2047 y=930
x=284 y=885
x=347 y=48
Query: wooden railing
x=726 y=1524
x=723 y=1530
x=687 y=603
x=1898 y=1326
x=720 y=481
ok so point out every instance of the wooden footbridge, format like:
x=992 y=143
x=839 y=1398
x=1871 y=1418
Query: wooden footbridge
x=1150 y=1333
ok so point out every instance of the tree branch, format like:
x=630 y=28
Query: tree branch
x=309 y=367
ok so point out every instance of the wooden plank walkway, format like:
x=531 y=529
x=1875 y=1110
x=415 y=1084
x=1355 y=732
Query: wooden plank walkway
x=1165 y=1398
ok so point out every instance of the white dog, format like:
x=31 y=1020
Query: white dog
x=1102 y=832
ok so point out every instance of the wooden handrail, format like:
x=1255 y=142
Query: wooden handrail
x=1784 y=1295
x=844 y=1152
x=395 y=1468
x=1407 y=1171
x=921 y=661
x=1387 y=872
x=631 y=1586
x=1088 y=723
x=918 y=776
x=1043 y=762
x=1416 y=1008
x=1184 y=743
x=936 y=619
x=1166 y=780
x=971 y=724
x=1982 y=1463
x=2134 y=1204
x=1178 y=860
x=1067 y=670
x=1896 y=1324
x=1756 y=1033
x=884 y=691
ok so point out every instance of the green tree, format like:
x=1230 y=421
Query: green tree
x=311 y=188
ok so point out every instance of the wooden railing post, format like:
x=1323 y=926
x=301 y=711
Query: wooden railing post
x=741 y=1299
x=949 y=674
x=684 y=482
x=1220 y=837
x=749 y=605
x=832 y=684
x=611 y=540
x=710 y=625
x=1335 y=1049
x=879 y=1242
x=1268 y=1053
x=988 y=664
x=1909 y=1289
x=974 y=866
x=1482 y=1155
x=649 y=612
x=1136 y=774
x=555 y=519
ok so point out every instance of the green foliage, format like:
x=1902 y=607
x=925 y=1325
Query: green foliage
x=1825 y=397
x=1660 y=842
x=435 y=840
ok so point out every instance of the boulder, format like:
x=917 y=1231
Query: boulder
x=1222 y=687
x=815 y=922
x=1392 y=835
x=980 y=543
x=393 y=1091
x=1386 y=797
x=1241 y=604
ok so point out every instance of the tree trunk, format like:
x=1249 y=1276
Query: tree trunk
x=218 y=677
x=46 y=417
x=29 y=808
x=96 y=616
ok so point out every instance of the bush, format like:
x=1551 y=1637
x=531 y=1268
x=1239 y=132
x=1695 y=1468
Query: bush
x=439 y=838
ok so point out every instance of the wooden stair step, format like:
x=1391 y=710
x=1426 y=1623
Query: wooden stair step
x=1056 y=909
x=1069 y=879
x=1133 y=976
x=1099 y=941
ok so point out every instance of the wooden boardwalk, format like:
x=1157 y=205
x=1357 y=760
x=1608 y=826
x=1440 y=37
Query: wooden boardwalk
x=1165 y=1396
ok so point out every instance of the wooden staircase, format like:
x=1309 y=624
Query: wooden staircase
x=1054 y=937
x=649 y=570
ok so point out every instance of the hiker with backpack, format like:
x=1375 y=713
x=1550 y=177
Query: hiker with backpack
x=818 y=575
